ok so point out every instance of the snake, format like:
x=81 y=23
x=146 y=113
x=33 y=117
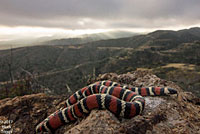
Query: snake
x=121 y=100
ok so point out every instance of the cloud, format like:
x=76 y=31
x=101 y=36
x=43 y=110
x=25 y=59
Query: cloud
x=100 y=14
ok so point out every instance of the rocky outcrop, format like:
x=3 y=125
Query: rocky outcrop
x=170 y=114
x=25 y=112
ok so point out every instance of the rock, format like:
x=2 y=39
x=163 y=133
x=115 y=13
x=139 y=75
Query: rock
x=108 y=76
x=188 y=96
x=98 y=122
x=26 y=111
x=166 y=115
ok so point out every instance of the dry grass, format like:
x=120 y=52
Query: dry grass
x=180 y=66
x=144 y=69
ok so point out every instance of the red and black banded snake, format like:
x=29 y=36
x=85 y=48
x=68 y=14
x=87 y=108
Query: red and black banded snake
x=122 y=101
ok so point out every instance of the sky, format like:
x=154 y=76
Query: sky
x=38 y=18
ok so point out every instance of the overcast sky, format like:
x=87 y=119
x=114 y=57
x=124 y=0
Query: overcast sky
x=55 y=15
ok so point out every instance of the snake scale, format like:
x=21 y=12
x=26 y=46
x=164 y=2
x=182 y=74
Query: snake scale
x=120 y=100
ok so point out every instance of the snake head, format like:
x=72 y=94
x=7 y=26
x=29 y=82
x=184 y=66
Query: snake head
x=172 y=91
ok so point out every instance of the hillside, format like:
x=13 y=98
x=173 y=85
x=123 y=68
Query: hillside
x=65 y=68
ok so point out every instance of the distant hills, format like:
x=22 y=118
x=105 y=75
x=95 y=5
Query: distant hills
x=86 y=38
x=64 y=40
x=59 y=64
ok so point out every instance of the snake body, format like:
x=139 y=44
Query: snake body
x=120 y=100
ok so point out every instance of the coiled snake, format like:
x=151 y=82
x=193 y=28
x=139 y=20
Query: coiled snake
x=122 y=101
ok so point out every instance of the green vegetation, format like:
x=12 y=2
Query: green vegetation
x=54 y=66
